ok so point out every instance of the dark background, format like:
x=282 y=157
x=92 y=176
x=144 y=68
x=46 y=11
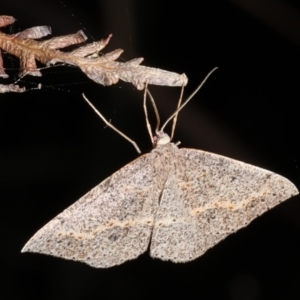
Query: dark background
x=53 y=148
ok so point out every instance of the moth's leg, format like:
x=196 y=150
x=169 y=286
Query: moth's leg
x=112 y=126
x=146 y=114
x=175 y=117
x=155 y=111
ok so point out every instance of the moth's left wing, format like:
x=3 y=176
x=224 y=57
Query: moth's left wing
x=109 y=225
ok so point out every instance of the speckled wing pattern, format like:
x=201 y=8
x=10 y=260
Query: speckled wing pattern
x=181 y=201
x=109 y=225
x=207 y=197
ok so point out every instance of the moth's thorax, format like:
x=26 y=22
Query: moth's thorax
x=166 y=153
x=164 y=161
x=164 y=148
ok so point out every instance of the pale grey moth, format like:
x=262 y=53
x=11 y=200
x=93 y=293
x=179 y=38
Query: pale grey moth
x=180 y=201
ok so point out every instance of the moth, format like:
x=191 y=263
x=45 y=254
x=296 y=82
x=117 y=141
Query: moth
x=180 y=201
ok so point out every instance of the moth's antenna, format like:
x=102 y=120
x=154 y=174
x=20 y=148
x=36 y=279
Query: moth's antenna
x=111 y=126
x=188 y=99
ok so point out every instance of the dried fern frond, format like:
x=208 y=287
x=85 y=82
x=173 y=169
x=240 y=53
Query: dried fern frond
x=102 y=69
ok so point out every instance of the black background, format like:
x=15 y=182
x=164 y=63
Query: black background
x=53 y=148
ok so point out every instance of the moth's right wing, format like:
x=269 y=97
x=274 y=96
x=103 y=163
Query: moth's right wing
x=206 y=198
x=109 y=225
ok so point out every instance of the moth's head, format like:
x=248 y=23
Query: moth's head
x=161 y=138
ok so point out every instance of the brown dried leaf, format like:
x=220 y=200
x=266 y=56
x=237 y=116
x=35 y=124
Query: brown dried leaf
x=106 y=71
x=6 y=20
x=34 y=32
x=5 y=88
x=102 y=69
